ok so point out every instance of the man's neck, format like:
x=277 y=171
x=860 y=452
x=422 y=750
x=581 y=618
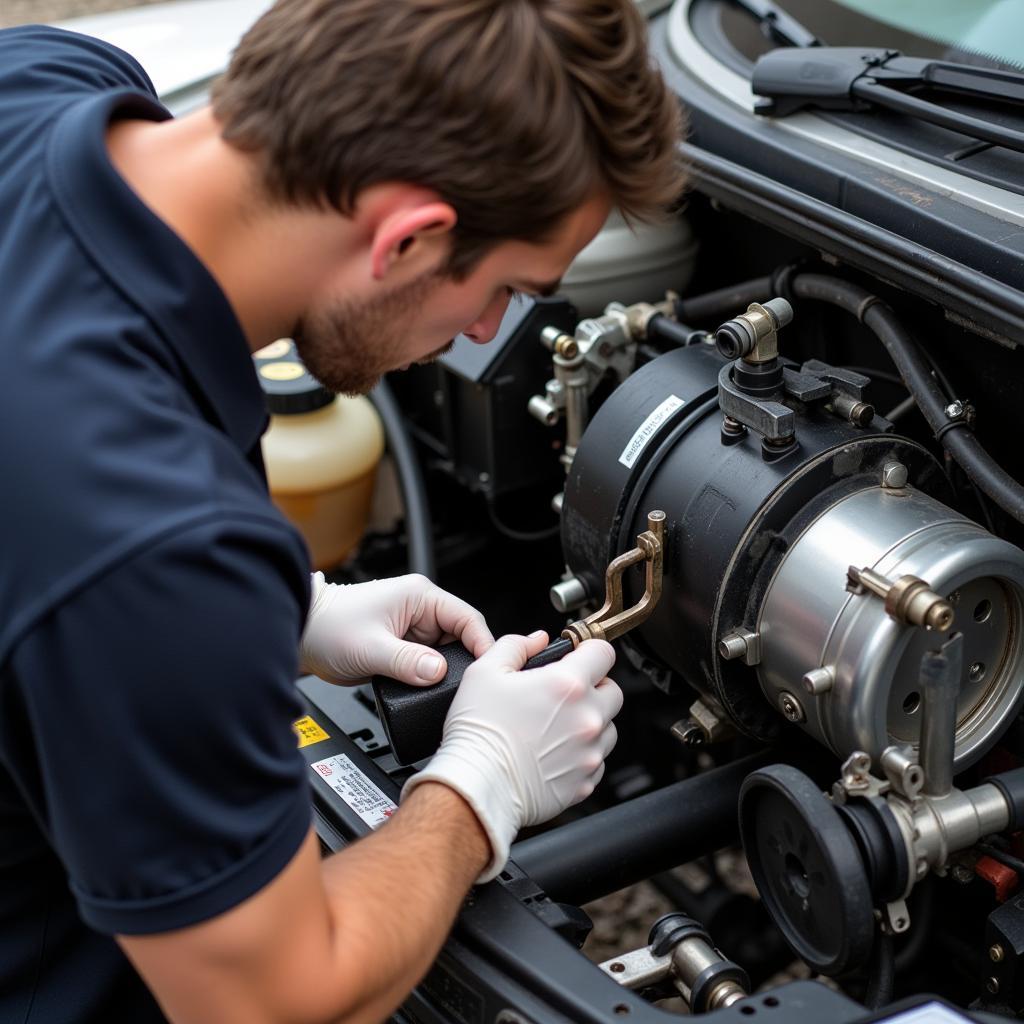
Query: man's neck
x=268 y=261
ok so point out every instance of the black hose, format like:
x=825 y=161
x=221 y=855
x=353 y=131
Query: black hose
x=881 y=973
x=724 y=301
x=419 y=526
x=958 y=440
x=660 y=328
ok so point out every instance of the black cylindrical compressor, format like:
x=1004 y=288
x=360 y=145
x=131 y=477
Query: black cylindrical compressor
x=756 y=612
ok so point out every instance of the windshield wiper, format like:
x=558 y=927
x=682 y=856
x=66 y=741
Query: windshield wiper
x=856 y=78
x=777 y=25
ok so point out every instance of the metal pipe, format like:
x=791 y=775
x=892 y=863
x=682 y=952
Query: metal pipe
x=611 y=849
x=940 y=685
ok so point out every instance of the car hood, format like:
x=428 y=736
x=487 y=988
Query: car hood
x=180 y=44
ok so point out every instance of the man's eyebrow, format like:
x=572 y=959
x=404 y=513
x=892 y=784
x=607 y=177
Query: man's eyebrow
x=544 y=289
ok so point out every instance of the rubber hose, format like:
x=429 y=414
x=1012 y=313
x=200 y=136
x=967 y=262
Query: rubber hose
x=419 y=526
x=724 y=302
x=961 y=444
x=882 y=973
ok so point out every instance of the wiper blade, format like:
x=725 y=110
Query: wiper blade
x=777 y=25
x=856 y=78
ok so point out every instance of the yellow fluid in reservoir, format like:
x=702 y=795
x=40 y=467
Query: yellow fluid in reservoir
x=322 y=461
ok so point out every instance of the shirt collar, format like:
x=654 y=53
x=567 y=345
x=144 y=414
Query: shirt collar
x=151 y=266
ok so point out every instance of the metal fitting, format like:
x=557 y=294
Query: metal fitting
x=908 y=600
x=567 y=595
x=819 y=680
x=541 y=409
x=894 y=475
x=752 y=335
x=959 y=409
x=706 y=724
x=688 y=732
x=905 y=775
x=996 y=953
x=860 y=414
x=740 y=644
x=559 y=342
x=790 y=707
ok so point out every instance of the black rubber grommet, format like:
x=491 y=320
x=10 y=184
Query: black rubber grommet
x=881 y=844
x=670 y=929
x=712 y=976
x=808 y=869
x=1011 y=785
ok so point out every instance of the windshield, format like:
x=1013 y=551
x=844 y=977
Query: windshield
x=969 y=31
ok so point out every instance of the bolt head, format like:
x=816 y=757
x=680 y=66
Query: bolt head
x=962 y=874
x=992 y=985
x=894 y=475
x=954 y=410
x=791 y=708
x=995 y=953
x=688 y=732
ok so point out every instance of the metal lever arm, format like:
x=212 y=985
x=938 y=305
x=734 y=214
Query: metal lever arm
x=413 y=717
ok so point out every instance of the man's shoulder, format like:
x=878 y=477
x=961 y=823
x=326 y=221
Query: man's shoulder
x=44 y=59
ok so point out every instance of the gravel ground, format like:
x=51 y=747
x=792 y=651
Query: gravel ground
x=21 y=12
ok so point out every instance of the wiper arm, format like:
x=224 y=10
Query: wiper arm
x=855 y=78
x=777 y=25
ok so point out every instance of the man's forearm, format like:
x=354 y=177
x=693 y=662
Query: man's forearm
x=394 y=895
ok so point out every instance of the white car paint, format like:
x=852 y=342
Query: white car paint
x=178 y=43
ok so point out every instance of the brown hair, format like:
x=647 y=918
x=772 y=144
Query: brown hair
x=514 y=111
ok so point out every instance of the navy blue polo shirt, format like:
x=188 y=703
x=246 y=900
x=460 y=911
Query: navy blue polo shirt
x=151 y=597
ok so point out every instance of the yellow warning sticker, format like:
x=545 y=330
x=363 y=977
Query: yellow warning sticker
x=308 y=731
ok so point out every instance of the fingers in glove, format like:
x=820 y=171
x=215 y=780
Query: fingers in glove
x=509 y=653
x=442 y=615
x=591 y=661
x=606 y=744
x=590 y=784
x=411 y=663
x=608 y=697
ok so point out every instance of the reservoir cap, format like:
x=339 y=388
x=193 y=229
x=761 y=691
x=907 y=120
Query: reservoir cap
x=290 y=389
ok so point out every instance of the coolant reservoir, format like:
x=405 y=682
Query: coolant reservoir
x=321 y=453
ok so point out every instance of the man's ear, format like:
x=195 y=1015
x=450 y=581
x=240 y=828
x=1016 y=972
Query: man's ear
x=413 y=238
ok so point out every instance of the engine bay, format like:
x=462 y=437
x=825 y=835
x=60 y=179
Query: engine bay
x=760 y=491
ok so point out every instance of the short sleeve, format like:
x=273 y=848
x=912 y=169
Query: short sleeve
x=155 y=712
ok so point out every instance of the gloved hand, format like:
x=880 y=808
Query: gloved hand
x=520 y=747
x=382 y=627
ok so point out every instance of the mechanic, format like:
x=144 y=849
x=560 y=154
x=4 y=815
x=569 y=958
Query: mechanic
x=371 y=178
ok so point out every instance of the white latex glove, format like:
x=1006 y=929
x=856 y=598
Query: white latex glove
x=382 y=627
x=521 y=746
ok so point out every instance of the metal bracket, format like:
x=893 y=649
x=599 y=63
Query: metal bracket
x=772 y=420
x=639 y=968
x=611 y=620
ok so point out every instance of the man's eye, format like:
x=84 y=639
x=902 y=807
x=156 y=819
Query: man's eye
x=514 y=296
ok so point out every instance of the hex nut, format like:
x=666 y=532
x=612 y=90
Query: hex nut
x=894 y=475
x=995 y=953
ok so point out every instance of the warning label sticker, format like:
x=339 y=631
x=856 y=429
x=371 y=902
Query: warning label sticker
x=309 y=731
x=647 y=430
x=341 y=774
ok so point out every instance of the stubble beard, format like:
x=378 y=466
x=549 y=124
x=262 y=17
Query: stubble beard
x=351 y=345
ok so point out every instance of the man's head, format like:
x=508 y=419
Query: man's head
x=507 y=122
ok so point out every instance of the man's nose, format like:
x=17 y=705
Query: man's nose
x=483 y=329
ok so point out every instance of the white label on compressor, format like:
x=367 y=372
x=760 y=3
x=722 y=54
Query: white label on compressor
x=341 y=774
x=647 y=430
